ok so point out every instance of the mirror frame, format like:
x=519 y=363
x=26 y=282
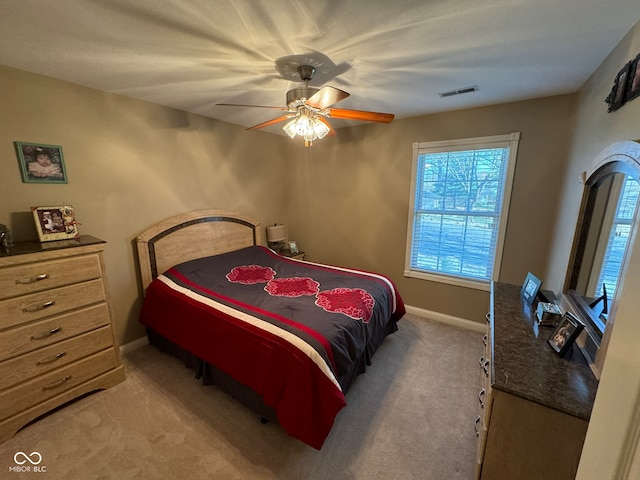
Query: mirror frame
x=623 y=157
x=588 y=202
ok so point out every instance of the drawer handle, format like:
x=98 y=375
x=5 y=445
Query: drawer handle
x=37 y=278
x=477 y=424
x=484 y=340
x=35 y=308
x=488 y=317
x=56 y=384
x=485 y=368
x=52 y=359
x=40 y=336
x=481 y=397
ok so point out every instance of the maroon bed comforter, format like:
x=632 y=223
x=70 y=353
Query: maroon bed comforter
x=290 y=330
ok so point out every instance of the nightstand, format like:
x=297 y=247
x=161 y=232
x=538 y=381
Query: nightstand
x=287 y=253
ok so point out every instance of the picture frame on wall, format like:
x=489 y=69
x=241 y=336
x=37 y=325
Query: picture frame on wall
x=618 y=94
x=633 y=89
x=565 y=333
x=530 y=288
x=55 y=223
x=41 y=163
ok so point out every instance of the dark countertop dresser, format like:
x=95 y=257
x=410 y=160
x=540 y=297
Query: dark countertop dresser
x=534 y=405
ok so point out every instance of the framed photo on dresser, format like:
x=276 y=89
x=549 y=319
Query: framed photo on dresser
x=565 y=333
x=530 y=288
x=55 y=223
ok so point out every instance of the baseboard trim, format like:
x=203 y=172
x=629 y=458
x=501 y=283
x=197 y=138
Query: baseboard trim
x=134 y=345
x=449 y=319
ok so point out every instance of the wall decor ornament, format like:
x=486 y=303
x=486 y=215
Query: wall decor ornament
x=633 y=85
x=41 y=163
x=55 y=223
x=617 y=96
x=626 y=85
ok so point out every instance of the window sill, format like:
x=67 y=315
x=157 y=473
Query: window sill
x=450 y=280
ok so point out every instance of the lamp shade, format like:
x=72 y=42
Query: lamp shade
x=275 y=233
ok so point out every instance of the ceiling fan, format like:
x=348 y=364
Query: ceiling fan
x=308 y=109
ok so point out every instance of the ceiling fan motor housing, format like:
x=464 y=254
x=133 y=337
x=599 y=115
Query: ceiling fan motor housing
x=298 y=96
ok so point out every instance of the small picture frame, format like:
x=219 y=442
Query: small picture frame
x=55 y=223
x=565 y=333
x=633 y=89
x=41 y=163
x=618 y=96
x=548 y=314
x=530 y=288
x=293 y=247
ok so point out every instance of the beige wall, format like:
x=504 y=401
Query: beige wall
x=130 y=164
x=352 y=195
x=612 y=438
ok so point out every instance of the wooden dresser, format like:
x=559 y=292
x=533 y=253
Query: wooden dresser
x=56 y=333
x=534 y=406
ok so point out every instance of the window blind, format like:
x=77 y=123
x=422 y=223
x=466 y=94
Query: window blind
x=459 y=203
x=619 y=237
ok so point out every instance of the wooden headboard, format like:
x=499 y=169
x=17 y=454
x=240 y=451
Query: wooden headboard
x=193 y=235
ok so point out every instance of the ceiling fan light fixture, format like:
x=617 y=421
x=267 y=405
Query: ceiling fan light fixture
x=306 y=126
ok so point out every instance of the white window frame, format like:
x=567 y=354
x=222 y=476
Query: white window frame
x=498 y=141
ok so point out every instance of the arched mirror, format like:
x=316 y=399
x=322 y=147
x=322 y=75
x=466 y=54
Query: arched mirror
x=608 y=211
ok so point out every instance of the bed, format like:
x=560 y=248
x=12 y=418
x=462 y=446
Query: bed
x=283 y=336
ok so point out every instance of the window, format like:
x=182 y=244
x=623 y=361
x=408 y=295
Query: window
x=459 y=201
x=619 y=237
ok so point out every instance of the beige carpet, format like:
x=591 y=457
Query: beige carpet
x=410 y=416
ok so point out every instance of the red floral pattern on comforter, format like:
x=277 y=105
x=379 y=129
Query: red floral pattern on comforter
x=250 y=274
x=352 y=302
x=292 y=287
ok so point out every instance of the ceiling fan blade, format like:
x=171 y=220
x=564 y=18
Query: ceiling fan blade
x=360 y=115
x=255 y=106
x=326 y=96
x=272 y=122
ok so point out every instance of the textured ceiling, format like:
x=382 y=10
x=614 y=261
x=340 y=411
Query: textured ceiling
x=391 y=55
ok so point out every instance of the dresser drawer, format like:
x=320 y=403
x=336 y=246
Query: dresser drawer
x=39 y=389
x=16 y=311
x=36 y=277
x=24 y=367
x=34 y=335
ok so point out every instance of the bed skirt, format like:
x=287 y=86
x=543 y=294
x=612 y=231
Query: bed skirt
x=212 y=375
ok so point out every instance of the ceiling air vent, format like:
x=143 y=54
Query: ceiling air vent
x=458 y=91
